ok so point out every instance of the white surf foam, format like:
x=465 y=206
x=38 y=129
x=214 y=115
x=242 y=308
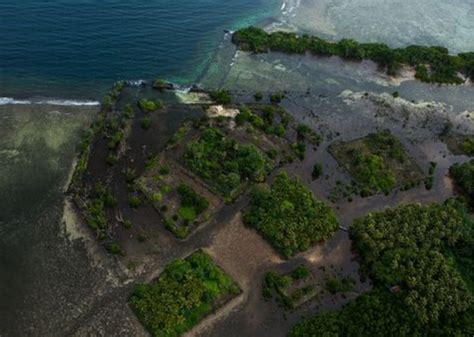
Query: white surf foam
x=135 y=83
x=48 y=101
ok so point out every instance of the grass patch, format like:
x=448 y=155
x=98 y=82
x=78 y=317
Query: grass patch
x=187 y=213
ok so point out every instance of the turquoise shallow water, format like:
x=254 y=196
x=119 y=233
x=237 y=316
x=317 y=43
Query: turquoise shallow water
x=77 y=48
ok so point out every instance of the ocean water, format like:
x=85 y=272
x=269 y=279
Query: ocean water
x=77 y=48
x=63 y=55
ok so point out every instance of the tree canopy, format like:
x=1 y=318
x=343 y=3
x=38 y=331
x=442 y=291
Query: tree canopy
x=186 y=292
x=423 y=251
x=288 y=216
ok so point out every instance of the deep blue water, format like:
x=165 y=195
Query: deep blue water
x=77 y=48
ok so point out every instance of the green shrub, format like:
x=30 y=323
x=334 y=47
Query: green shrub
x=127 y=223
x=152 y=161
x=187 y=213
x=156 y=197
x=339 y=285
x=112 y=159
x=429 y=181
x=148 y=105
x=160 y=84
x=128 y=112
x=300 y=272
x=95 y=208
x=115 y=140
x=300 y=149
x=317 y=171
x=134 y=201
x=463 y=176
x=142 y=237
x=277 y=97
x=145 y=123
x=279 y=130
x=285 y=287
x=115 y=248
x=164 y=170
x=221 y=96
x=467 y=146
x=190 y=199
x=130 y=175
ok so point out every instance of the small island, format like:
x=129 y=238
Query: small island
x=433 y=64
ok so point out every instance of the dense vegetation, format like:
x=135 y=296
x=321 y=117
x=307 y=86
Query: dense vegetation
x=373 y=173
x=224 y=163
x=378 y=313
x=291 y=289
x=288 y=216
x=463 y=176
x=407 y=247
x=422 y=254
x=433 y=64
x=184 y=294
x=377 y=163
